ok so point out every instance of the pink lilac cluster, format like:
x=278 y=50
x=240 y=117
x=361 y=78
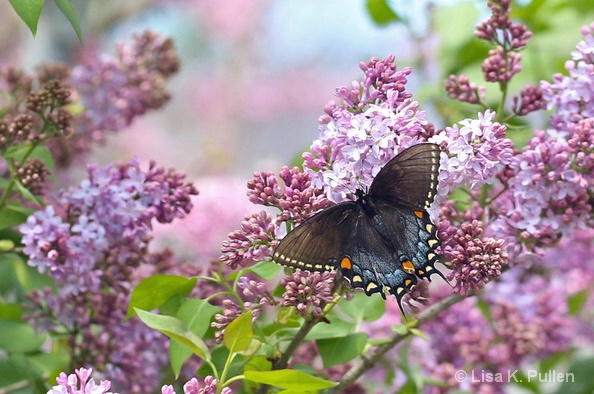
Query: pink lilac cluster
x=115 y=90
x=571 y=96
x=375 y=121
x=476 y=151
x=475 y=259
x=79 y=383
x=193 y=387
x=308 y=292
x=297 y=199
x=111 y=209
x=502 y=64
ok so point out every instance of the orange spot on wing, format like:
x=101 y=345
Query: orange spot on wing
x=418 y=214
x=346 y=263
x=408 y=267
x=407 y=282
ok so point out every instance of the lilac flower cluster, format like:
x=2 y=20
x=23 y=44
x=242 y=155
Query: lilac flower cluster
x=571 y=96
x=308 y=292
x=376 y=120
x=80 y=383
x=503 y=62
x=115 y=90
x=91 y=241
x=113 y=207
x=514 y=333
x=548 y=193
x=477 y=151
x=193 y=387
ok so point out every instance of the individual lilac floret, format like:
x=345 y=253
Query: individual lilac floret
x=308 y=292
x=80 y=383
x=475 y=152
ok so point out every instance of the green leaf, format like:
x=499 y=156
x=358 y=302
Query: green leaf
x=14 y=275
x=266 y=270
x=197 y=315
x=11 y=312
x=175 y=329
x=289 y=380
x=336 y=351
x=13 y=214
x=576 y=302
x=29 y=11
x=19 y=337
x=381 y=13
x=578 y=378
x=238 y=334
x=338 y=328
x=363 y=307
x=70 y=13
x=155 y=291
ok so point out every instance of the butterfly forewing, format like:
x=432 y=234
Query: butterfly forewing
x=410 y=178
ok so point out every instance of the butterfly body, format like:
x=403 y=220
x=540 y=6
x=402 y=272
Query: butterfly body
x=383 y=240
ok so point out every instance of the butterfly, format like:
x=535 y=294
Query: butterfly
x=382 y=241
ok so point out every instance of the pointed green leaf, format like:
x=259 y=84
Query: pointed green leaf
x=175 y=329
x=289 y=380
x=336 y=351
x=29 y=11
x=197 y=315
x=238 y=334
x=419 y=333
x=70 y=13
x=266 y=270
x=155 y=291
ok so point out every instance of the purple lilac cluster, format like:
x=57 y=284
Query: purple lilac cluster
x=549 y=180
x=91 y=241
x=375 y=121
x=477 y=150
x=112 y=208
x=297 y=200
x=115 y=90
x=522 y=327
x=571 y=96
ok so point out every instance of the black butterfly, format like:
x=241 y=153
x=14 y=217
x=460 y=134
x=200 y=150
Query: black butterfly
x=381 y=240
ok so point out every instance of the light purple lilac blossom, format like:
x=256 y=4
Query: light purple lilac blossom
x=114 y=206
